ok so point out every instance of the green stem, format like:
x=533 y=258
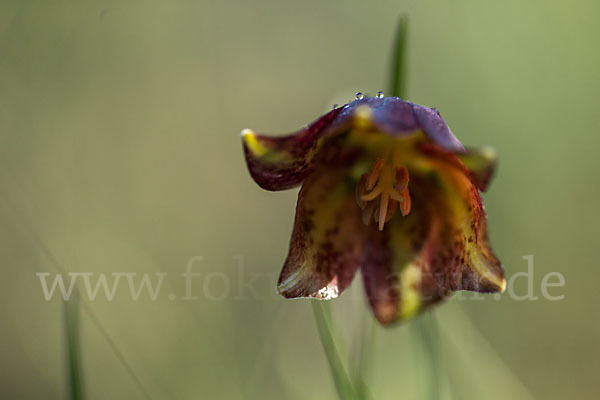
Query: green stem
x=426 y=336
x=73 y=347
x=398 y=72
x=341 y=380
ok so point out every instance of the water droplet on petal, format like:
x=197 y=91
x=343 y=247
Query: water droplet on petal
x=380 y=95
x=335 y=106
x=359 y=96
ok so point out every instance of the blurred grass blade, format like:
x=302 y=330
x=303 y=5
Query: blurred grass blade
x=365 y=355
x=398 y=72
x=342 y=382
x=74 y=367
x=426 y=337
x=23 y=225
x=469 y=346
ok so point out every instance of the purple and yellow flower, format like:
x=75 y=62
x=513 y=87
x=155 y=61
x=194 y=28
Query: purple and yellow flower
x=387 y=188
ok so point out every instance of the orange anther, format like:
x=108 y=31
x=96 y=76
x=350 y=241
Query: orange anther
x=406 y=202
x=379 y=163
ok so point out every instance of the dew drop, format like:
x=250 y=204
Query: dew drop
x=380 y=95
x=335 y=106
x=359 y=96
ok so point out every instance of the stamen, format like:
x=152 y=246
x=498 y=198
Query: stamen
x=402 y=179
x=383 y=209
x=395 y=195
x=372 y=194
x=405 y=205
x=389 y=180
x=379 y=163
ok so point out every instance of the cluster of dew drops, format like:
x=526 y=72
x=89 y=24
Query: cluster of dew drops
x=360 y=96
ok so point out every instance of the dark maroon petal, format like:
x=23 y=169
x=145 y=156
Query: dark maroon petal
x=278 y=163
x=397 y=265
x=464 y=260
x=440 y=247
x=326 y=243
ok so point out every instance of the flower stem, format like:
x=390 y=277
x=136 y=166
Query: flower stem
x=73 y=348
x=426 y=336
x=342 y=382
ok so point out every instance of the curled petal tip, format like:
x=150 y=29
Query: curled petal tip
x=503 y=285
x=481 y=164
x=246 y=131
x=488 y=152
x=249 y=139
x=289 y=289
x=492 y=284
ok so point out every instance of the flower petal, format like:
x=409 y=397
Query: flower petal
x=278 y=163
x=396 y=267
x=436 y=128
x=389 y=115
x=478 y=164
x=398 y=118
x=326 y=242
x=467 y=261
x=481 y=163
x=440 y=247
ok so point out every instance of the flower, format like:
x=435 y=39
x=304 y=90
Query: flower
x=387 y=188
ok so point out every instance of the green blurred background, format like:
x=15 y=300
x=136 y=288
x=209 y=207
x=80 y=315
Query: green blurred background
x=119 y=152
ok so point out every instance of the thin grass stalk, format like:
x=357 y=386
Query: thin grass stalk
x=365 y=356
x=74 y=366
x=343 y=384
x=426 y=338
x=397 y=80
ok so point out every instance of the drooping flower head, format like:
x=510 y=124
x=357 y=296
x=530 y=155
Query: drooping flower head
x=387 y=188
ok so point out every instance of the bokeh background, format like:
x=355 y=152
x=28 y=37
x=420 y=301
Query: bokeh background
x=119 y=152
